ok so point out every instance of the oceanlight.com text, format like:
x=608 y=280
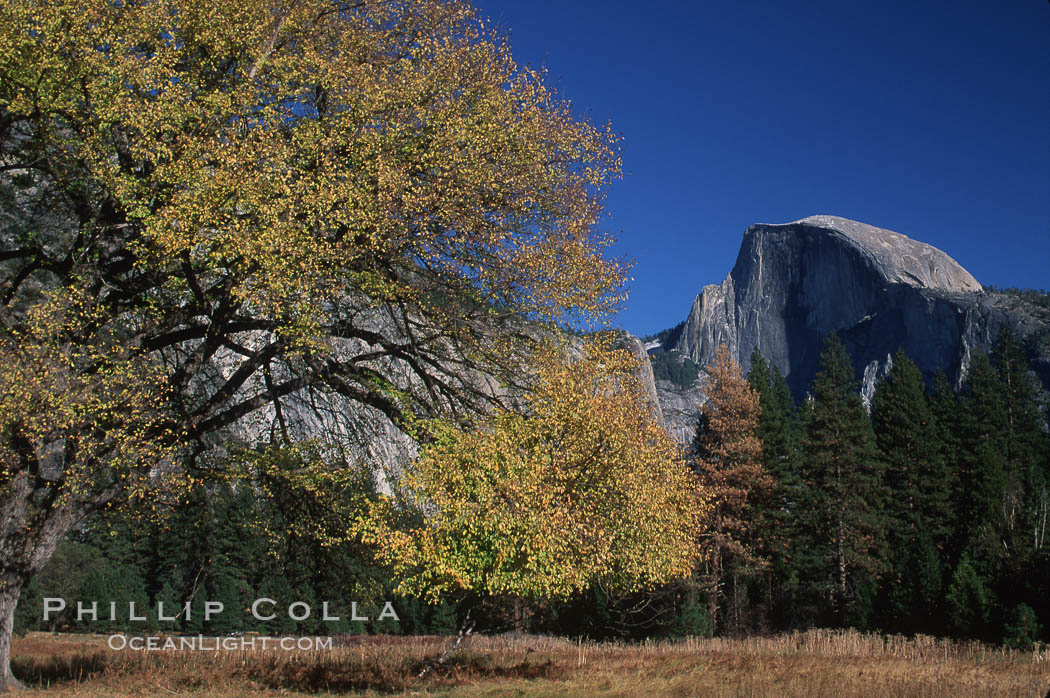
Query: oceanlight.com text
x=201 y=643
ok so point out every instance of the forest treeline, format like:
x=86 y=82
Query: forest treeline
x=929 y=514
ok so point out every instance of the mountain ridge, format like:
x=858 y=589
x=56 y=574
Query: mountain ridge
x=792 y=283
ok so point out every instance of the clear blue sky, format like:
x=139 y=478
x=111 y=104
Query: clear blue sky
x=925 y=117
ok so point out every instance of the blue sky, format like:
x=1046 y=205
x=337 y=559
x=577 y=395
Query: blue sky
x=925 y=117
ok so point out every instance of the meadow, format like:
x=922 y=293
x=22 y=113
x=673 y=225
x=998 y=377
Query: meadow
x=812 y=663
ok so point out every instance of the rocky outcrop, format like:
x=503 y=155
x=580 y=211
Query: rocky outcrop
x=645 y=376
x=790 y=286
x=679 y=405
x=355 y=433
x=794 y=283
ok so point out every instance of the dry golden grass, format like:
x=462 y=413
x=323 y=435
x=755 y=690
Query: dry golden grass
x=815 y=663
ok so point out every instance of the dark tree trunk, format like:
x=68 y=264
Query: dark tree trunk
x=519 y=616
x=11 y=588
x=840 y=605
x=29 y=534
x=714 y=584
x=840 y=554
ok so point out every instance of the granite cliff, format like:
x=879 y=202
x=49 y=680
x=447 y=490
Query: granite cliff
x=359 y=433
x=790 y=286
x=880 y=290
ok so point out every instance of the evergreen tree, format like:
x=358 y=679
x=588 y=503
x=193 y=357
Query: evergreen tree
x=840 y=514
x=166 y=600
x=236 y=552
x=120 y=585
x=984 y=465
x=953 y=431
x=984 y=453
x=908 y=436
x=1026 y=477
x=919 y=497
x=443 y=619
x=121 y=575
x=1022 y=516
x=729 y=462
x=969 y=600
x=775 y=423
x=276 y=587
x=778 y=432
x=179 y=562
x=999 y=448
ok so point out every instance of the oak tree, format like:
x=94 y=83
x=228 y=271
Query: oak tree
x=214 y=208
x=584 y=488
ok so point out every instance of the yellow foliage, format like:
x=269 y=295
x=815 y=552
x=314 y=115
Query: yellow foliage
x=308 y=149
x=90 y=415
x=584 y=488
x=205 y=198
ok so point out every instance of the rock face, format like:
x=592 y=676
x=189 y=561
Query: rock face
x=351 y=431
x=794 y=283
x=645 y=377
x=790 y=286
x=679 y=405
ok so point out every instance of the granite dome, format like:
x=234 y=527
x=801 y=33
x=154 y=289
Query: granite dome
x=897 y=257
x=792 y=283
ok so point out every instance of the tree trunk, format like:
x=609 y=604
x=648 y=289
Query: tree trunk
x=28 y=537
x=841 y=605
x=11 y=589
x=519 y=616
x=840 y=550
x=714 y=582
x=737 y=625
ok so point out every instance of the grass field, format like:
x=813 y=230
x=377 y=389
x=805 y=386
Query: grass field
x=815 y=663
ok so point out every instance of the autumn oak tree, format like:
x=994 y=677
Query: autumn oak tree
x=582 y=489
x=210 y=206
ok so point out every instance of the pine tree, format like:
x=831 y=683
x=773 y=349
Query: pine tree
x=1010 y=548
x=843 y=499
x=778 y=431
x=919 y=496
x=729 y=463
x=973 y=439
x=985 y=445
x=236 y=553
x=166 y=600
x=969 y=600
x=181 y=551
x=952 y=430
x=1024 y=511
x=775 y=424
x=999 y=448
